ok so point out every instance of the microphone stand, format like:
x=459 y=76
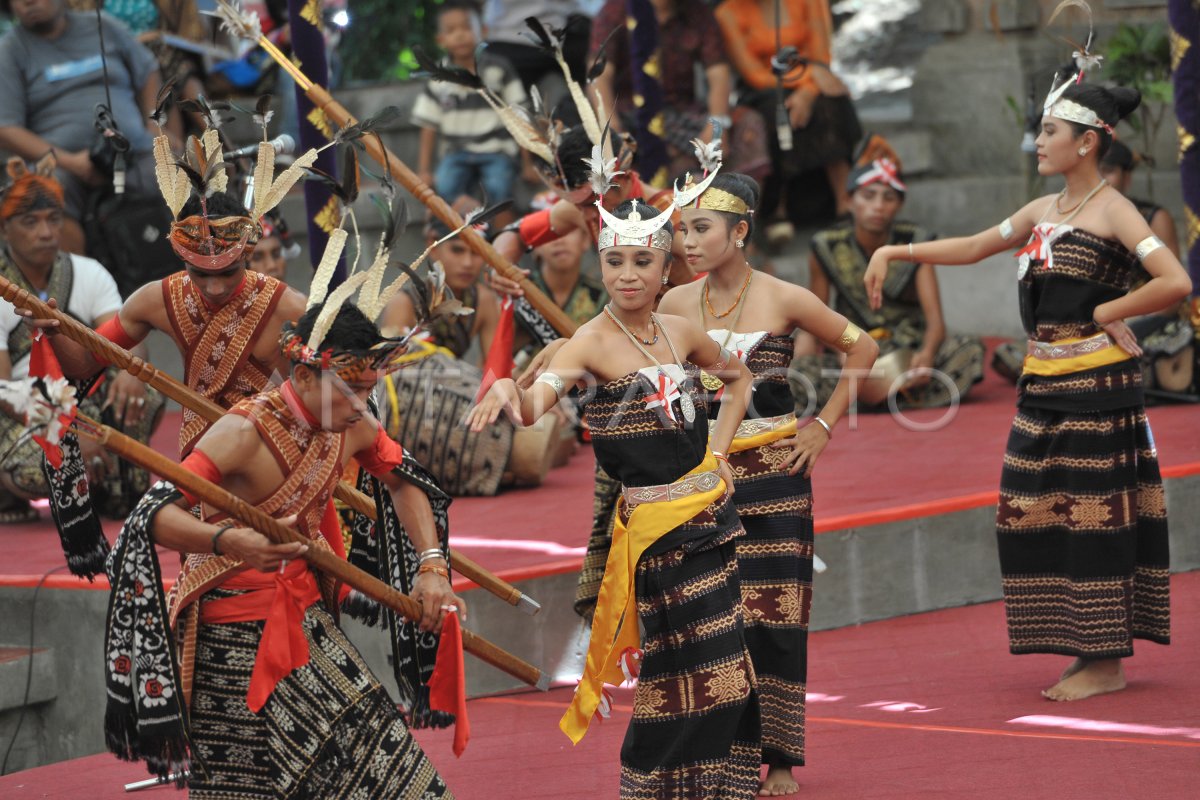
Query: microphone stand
x=781 y=63
x=150 y=783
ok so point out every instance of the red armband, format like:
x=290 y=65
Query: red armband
x=535 y=229
x=115 y=332
x=383 y=456
x=201 y=466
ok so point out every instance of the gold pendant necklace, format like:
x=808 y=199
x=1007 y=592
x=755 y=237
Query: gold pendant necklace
x=709 y=381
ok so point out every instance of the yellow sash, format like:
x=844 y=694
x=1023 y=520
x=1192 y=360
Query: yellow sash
x=741 y=443
x=1065 y=366
x=648 y=522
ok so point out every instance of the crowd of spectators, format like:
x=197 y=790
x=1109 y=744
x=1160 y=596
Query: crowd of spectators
x=717 y=66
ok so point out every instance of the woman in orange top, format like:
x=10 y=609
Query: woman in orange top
x=825 y=128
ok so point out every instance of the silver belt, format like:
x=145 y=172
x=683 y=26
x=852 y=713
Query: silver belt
x=1053 y=351
x=665 y=492
x=754 y=427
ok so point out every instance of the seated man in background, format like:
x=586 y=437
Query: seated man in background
x=462 y=267
x=52 y=75
x=918 y=362
x=275 y=248
x=559 y=274
x=425 y=402
x=31 y=221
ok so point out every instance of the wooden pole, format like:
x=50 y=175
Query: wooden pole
x=323 y=100
x=324 y=560
x=146 y=372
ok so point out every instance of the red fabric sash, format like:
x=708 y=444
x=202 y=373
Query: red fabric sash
x=535 y=230
x=115 y=332
x=383 y=456
x=447 y=684
x=199 y=464
x=499 y=362
x=280 y=599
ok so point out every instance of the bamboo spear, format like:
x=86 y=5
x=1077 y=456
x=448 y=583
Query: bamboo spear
x=146 y=372
x=323 y=100
x=324 y=560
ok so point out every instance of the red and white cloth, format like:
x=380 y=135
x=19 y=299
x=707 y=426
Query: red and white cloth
x=1040 y=247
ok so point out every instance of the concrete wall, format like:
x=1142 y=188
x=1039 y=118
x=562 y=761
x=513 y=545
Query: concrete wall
x=928 y=563
x=873 y=573
x=70 y=626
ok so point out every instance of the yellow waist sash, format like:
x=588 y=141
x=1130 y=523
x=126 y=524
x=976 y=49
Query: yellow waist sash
x=648 y=522
x=1077 y=354
x=752 y=433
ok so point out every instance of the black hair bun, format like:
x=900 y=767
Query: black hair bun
x=1126 y=100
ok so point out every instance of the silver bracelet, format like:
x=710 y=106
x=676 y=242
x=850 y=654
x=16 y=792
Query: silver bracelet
x=430 y=554
x=825 y=425
x=911 y=257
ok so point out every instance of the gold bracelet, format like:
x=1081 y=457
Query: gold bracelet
x=848 y=337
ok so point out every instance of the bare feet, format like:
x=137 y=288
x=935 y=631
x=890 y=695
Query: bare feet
x=779 y=781
x=1093 y=677
x=1074 y=667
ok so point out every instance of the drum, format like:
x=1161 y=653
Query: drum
x=424 y=408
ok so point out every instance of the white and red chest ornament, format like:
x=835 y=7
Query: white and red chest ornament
x=666 y=391
x=1041 y=246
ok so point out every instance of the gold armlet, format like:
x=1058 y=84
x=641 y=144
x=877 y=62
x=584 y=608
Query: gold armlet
x=848 y=337
x=1147 y=246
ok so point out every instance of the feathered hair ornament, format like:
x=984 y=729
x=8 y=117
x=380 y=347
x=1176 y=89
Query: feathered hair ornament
x=433 y=298
x=429 y=299
x=206 y=243
x=709 y=156
x=603 y=170
x=700 y=194
x=1084 y=59
x=551 y=39
x=236 y=21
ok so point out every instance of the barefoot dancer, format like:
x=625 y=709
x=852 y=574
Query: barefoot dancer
x=753 y=315
x=695 y=728
x=1082 y=522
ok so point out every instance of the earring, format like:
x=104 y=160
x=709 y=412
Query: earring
x=664 y=282
x=740 y=243
x=1083 y=151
